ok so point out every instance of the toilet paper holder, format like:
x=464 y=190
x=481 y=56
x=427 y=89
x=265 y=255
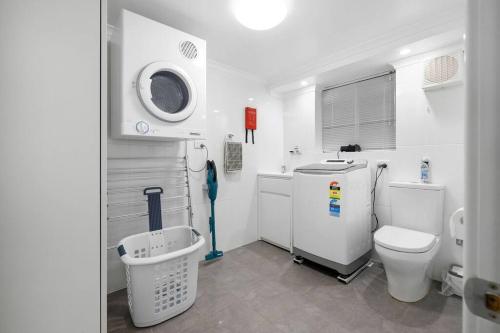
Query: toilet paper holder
x=457 y=226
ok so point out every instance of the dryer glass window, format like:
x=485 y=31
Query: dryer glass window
x=169 y=92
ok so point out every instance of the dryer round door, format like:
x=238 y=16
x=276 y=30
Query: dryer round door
x=167 y=91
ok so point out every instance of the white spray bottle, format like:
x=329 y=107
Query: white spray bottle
x=425 y=170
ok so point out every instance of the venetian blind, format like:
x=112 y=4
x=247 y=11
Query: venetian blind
x=362 y=112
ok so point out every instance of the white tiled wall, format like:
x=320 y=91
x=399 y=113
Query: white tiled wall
x=236 y=211
x=428 y=124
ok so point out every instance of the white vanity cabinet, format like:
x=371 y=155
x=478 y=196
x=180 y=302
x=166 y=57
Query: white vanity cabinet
x=275 y=208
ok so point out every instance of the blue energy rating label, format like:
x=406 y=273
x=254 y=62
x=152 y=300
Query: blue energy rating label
x=335 y=197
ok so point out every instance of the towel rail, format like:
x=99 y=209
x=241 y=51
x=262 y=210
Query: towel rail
x=119 y=171
x=146 y=158
x=127 y=203
x=141 y=188
x=143 y=178
x=142 y=214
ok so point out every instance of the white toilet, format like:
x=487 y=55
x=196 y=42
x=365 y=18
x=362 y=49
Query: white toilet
x=409 y=245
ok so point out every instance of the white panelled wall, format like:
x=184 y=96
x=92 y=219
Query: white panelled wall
x=228 y=93
x=427 y=124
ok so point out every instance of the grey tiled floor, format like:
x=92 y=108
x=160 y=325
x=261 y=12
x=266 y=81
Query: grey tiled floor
x=257 y=288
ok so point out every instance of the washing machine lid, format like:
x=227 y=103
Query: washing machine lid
x=167 y=91
x=333 y=166
x=404 y=240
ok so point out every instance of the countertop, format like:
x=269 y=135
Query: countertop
x=276 y=174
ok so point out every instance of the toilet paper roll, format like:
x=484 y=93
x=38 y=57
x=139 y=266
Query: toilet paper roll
x=457 y=227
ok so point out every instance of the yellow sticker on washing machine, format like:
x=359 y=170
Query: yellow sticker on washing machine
x=335 y=192
x=335 y=196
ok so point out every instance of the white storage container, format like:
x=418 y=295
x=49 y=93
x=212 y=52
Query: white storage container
x=162 y=273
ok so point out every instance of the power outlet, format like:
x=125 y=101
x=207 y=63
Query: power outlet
x=198 y=144
x=380 y=163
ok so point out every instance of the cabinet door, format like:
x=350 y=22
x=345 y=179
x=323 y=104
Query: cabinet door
x=275 y=218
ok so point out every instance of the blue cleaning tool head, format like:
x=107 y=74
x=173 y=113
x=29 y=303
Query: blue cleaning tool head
x=214 y=255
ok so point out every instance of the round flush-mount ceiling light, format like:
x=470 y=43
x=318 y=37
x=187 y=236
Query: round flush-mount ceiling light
x=260 y=14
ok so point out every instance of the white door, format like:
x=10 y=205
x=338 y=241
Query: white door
x=482 y=218
x=49 y=166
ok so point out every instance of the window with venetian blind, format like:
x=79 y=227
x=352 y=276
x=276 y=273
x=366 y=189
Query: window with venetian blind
x=361 y=113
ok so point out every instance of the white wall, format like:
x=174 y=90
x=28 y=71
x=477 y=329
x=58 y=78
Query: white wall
x=236 y=210
x=300 y=125
x=228 y=91
x=427 y=124
x=50 y=179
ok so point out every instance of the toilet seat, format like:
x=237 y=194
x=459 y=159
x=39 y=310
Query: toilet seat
x=404 y=240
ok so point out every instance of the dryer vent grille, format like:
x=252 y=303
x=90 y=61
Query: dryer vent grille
x=188 y=49
x=441 y=69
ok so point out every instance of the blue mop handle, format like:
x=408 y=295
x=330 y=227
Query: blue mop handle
x=212 y=223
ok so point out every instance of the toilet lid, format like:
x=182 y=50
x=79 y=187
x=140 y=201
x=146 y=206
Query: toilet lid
x=404 y=240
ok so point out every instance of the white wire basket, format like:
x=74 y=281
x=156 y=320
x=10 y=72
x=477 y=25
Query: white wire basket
x=162 y=273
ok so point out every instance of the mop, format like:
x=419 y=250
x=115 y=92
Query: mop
x=212 y=194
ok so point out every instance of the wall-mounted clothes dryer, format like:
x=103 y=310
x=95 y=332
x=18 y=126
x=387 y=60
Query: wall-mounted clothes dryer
x=158 y=81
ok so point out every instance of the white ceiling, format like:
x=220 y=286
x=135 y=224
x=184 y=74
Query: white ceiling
x=314 y=34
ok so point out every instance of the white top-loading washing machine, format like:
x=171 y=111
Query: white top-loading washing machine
x=332 y=214
x=158 y=81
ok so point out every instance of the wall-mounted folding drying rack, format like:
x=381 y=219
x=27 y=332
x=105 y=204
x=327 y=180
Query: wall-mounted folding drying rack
x=127 y=205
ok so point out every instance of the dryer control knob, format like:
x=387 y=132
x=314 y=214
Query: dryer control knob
x=142 y=127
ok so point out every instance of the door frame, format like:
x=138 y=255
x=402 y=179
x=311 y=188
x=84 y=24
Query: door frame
x=104 y=166
x=482 y=155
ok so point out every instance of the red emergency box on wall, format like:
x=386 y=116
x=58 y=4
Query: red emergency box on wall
x=250 y=122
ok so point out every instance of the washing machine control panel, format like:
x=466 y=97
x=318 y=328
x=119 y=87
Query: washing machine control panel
x=142 y=127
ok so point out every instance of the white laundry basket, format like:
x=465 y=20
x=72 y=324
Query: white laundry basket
x=162 y=273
